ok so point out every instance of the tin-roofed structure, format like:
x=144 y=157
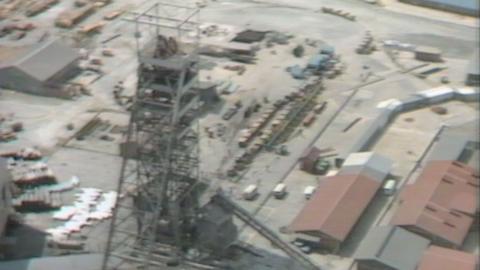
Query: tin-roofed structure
x=439 y=258
x=368 y=163
x=388 y=247
x=441 y=204
x=41 y=69
x=335 y=208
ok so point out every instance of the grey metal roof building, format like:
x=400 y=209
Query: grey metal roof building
x=40 y=70
x=388 y=247
x=465 y=7
x=370 y=164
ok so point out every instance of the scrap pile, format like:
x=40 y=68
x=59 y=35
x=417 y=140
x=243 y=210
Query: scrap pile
x=325 y=62
x=9 y=130
x=276 y=124
x=16 y=31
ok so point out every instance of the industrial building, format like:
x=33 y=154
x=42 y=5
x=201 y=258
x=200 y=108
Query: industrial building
x=389 y=247
x=5 y=200
x=439 y=258
x=473 y=71
x=464 y=7
x=335 y=208
x=343 y=198
x=40 y=69
x=441 y=205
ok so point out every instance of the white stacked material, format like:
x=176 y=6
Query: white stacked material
x=68 y=185
x=105 y=208
x=65 y=213
x=58 y=232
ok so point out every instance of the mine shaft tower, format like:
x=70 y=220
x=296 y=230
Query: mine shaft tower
x=153 y=220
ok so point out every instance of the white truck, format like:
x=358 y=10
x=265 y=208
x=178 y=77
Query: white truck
x=280 y=191
x=389 y=187
x=250 y=192
x=308 y=192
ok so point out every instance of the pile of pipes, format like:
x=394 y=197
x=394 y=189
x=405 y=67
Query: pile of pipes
x=339 y=12
x=8 y=132
x=37 y=200
x=29 y=176
x=165 y=47
x=23 y=154
x=367 y=46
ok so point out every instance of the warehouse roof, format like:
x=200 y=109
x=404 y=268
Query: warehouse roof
x=373 y=165
x=336 y=206
x=438 y=258
x=392 y=246
x=442 y=201
x=44 y=60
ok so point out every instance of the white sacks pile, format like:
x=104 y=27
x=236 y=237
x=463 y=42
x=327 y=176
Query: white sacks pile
x=90 y=205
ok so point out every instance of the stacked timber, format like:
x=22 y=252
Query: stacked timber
x=39 y=6
x=69 y=18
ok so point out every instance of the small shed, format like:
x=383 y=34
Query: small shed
x=428 y=54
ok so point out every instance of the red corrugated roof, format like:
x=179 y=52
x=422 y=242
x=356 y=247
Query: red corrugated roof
x=336 y=205
x=442 y=201
x=438 y=258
